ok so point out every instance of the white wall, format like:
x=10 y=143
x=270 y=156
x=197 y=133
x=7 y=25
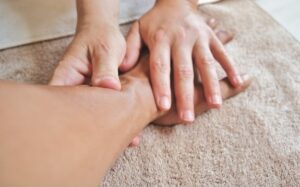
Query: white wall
x=286 y=12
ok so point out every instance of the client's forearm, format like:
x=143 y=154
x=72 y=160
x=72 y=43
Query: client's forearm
x=68 y=136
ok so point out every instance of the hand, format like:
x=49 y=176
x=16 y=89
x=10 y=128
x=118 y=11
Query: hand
x=174 y=32
x=96 y=51
x=227 y=91
x=142 y=73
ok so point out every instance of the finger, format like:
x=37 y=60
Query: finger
x=227 y=91
x=201 y=106
x=135 y=142
x=70 y=71
x=205 y=63
x=212 y=23
x=224 y=36
x=105 y=70
x=134 y=44
x=160 y=74
x=226 y=62
x=183 y=82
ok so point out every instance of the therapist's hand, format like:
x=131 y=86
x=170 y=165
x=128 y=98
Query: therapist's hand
x=96 y=52
x=178 y=38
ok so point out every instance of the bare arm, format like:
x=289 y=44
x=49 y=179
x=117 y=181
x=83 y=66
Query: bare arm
x=70 y=136
x=67 y=136
x=97 y=11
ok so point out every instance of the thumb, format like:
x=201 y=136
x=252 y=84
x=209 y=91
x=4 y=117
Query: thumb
x=70 y=72
x=134 y=45
x=105 y=71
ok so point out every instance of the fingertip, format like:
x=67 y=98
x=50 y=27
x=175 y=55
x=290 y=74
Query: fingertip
x=224 y=36
x=135 y=142
x=241 y=80
x=107 y=82
x=228 y=90
x=187 y=116
x=247 y=79
x=215 y=101
x=237 y=81
x=212 y=22
x=164 y=103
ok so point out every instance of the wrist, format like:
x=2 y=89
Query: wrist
x=138 y=89
x=192 y=3
x=96 y=24
x=97 y=12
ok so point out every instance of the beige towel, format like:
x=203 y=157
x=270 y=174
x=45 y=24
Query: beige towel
x=254 y=140
x=27 y=21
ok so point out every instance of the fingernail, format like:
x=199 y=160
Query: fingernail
x=188 y=116
x=238 y=80
x=164 y=102
x=216 y=100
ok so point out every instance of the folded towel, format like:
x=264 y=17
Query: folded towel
x=254 y=140
x=26 y=21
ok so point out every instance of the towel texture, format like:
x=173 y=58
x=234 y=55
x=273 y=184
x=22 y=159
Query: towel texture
x=27 y=21
x=254 y=140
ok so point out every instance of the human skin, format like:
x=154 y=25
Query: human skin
x=176 y=36
x=71 y=136
x=88 y=42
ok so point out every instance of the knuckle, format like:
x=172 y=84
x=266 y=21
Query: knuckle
x=185 y=72
x=207 y=60
x=192 y=26
x=160 y=35
x=160 y=66
x=103 y=47
x=108 y=46
x=181 y=34
x=204 y=33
